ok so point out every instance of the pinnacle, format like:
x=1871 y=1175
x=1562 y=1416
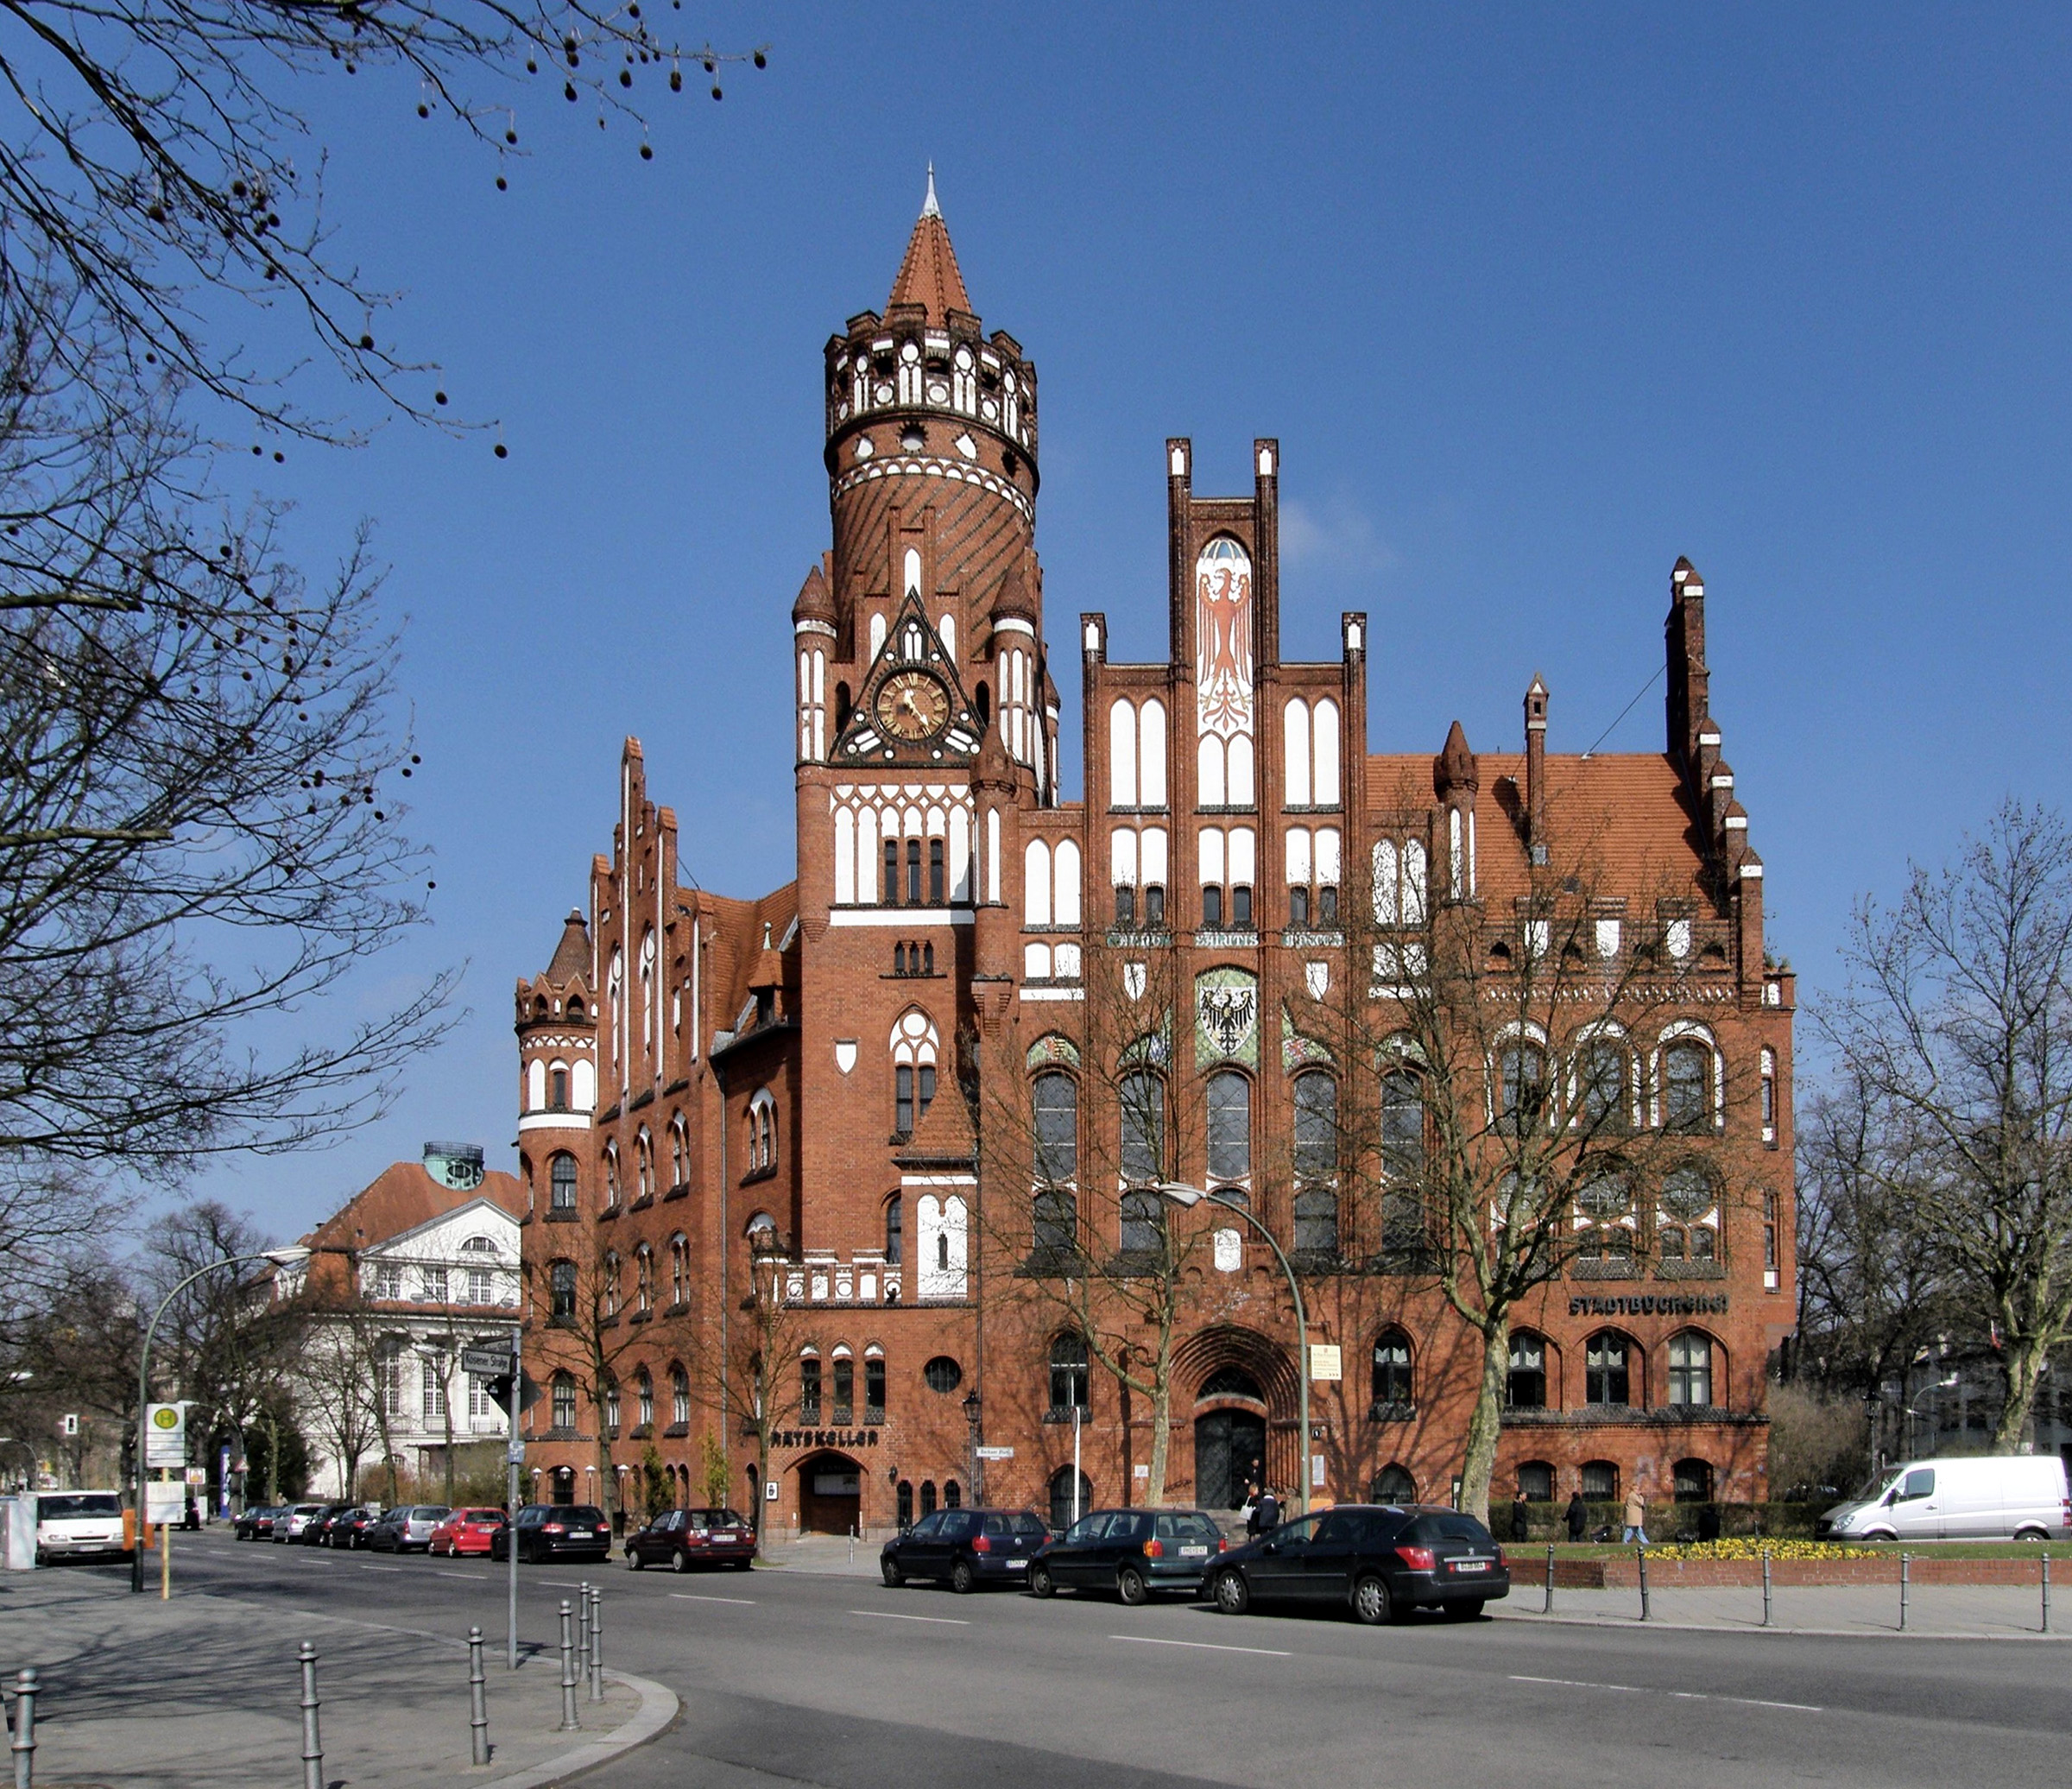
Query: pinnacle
x=928 y=275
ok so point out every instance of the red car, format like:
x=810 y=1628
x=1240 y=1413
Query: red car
x=467 y=1531
x=685 y=1539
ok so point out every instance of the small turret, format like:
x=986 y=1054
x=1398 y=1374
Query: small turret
x=1456 y=778
x=557 y=1026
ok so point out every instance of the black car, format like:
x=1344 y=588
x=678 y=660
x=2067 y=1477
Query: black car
x=257 y=1523
x=318 y=1529
x=556 y=1530
x=352 y=1529
x=967 y=1546
x=1132 y=1552
x=1379 y=1560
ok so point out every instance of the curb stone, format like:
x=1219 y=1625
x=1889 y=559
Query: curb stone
x=657 y=1712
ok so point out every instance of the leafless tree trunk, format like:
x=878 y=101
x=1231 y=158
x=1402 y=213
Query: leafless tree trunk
x=1957 y=1024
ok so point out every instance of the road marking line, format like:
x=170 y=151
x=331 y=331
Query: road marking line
x=558 y=1584
x=885 y=1615
x=693 y=1596
x=1804 y=1708
x=381 y=1568
x=1205 y=1645
x=469 y=1576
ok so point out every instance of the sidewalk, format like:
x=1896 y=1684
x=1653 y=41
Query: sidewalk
x=1934 y=1611
x=205 y=1690
x=824 y=1555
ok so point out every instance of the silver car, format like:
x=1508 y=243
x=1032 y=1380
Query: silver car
x=406 y=1528
x=290 y=1523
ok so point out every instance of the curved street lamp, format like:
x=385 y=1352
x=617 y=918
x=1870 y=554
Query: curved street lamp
x=1188 y=1197
x=286 y=1257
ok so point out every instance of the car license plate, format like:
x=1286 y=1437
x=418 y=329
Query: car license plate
x=1018 y=1564
x=1471 y=1564
x=1194 y=1552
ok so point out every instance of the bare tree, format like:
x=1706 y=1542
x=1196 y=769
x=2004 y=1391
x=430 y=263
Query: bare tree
x=1957 y=1023
x=1512 y=1135
x=1071 y=1214
x=761 y=1390
x=340 y=1384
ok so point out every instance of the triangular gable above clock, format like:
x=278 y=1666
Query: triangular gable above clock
x=914 y=710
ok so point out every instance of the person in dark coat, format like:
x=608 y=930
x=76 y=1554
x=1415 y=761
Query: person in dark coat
x=1251 y=1510
x=1268 y=1511
x=1579 y=1518
x=1522 y=1514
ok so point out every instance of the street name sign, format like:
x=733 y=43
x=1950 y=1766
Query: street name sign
x=486 y=1362
x=996 y=1453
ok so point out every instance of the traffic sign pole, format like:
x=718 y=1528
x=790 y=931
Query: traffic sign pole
x=513 y=1453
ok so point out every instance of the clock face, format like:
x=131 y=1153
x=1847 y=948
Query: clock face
x=912 y=704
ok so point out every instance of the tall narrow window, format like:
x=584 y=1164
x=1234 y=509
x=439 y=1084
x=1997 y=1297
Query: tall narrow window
x=1140 y=1219
x=1230 y=1127
x=1604 y=1087
x=873 y=1391
x=1316 y=1224
x=902 y=1100
x=1056 y=1101
x=1057 y=1223
x=565 y=1400
x=679 y=1397
x=913 y=872
x=1143 y=1118
x=1068 y=1372
x=1316 y=1124
x=1687 y=1087
x=1391 y=1384
x=557 y=1088
x=1526 y=1386
x=643 y=1391
x=1605 y=1377
x=1770 y=1098
x=892 y=872
x=561 y=1177
x=434 y=1382
x=561 y=1282
x=845 y=1394
x=895 y=1222
x=1770 y=1261
x=1523 y=1070
x=1689 y=1369
x=809 y=1390
x=935 y=872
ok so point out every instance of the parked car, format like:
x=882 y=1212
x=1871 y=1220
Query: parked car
x=79 y=1524
x=406 y=1528
x=1134 y=1553
x=1379 y=1560
x=555 y=1531
x=312 y=1532
x=681 y=1539
x=288 y=1524
x=967 y=1546
x=350 y=1530
x=257 y=1523
x=465 y=1531
x=1992 y=1497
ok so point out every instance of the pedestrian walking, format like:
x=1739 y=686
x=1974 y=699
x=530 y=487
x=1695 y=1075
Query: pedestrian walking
x=1579 y=1517
x=1522 y=1514
x=1268 y=1511
x=1251 y=1509
x=1636 y=1516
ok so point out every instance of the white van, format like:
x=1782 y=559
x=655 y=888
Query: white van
x=1997 y=1497
x=74 y=1524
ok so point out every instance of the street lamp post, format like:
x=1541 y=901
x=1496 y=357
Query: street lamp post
x=286 y=1257
x=1188 y=1197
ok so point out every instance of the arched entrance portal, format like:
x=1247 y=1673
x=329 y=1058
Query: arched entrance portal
x=1230 y=1439
x=830 y=1494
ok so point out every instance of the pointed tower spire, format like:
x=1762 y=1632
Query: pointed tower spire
x=928 y=275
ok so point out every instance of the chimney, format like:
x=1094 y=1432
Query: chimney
x=1535 y=770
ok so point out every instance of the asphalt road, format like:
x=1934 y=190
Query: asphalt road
x=833 y=1680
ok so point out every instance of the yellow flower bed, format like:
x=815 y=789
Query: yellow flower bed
x=1753 y=1549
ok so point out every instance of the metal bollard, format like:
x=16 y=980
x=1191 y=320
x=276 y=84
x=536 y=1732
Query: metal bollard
x=2046 y=1593
x=1765 y=1587
x=1640 y=1553
x=582 y=1630
x=23 y=1744
x=1905 y=1565
x=1549 y=1610
x=570 y=1723
x=597 y=1643
x=312 y=1743
x=479 y=1706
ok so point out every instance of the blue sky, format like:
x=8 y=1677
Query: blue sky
x=1534 y=303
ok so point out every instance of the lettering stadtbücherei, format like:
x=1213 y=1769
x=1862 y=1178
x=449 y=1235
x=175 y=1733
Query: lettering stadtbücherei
x=1651 y=1304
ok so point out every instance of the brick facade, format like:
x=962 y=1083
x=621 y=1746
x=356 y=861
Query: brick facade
x=819 y=1087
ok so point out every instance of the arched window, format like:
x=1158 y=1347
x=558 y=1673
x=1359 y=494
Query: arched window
x=763 y=1132
x=561 y=1182
x=1072 y=1496
x=1392 y=1380
x=643 y=1163
x=1316 y=1124
x=1605 y=1377
x=1141 y=1215
x=1687 y=1087
x=644 y=1277
x=1316 y=1223
x=1601 y=1481
x=844 y=1412
x=565 y=1400
x=874 y=1389
x=1055 y=1101
x=1691 y=1368
x=906 y=1505
x=1057 y=1223
x=953 y=1496
x=1393 y=1484
x=611 y=1405
x=1535 y=1481
x=1068 y=1372
x=1692 y=1480
x=643 y=1388
x=1604 y=1071
x=809 y=1389
x=1143 y=1116
x=608 y=1290
x=679 y=1271
x=1606 y=1205
x=679 y=1397
x=561 y=1283
x=927 y=1496
x=680 y=1152
x=914 y=1044
x=762 y=1232
x=895 y=1222
x=1522 y=1082
x=1229 y=1126
x=611 y=1177
x=1687 y=1214
x=1525 y=1386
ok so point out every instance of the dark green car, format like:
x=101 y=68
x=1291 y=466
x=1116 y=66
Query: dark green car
x=1132 y=1552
